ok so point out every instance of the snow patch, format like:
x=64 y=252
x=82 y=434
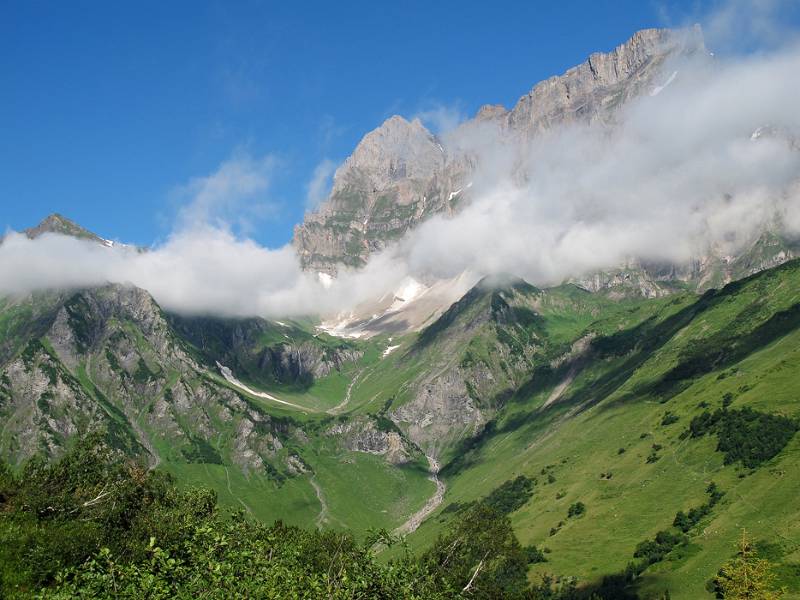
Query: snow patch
x=410 y=290
x=389 y=350
x=411 y=306
x=658 y=89
x=231 y=378
x=339 y=327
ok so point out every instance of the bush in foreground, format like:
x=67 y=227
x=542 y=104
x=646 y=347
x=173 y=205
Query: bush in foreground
x=97 y=525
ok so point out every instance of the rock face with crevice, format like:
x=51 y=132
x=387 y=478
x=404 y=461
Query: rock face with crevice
x=400 y=174
x=107 y=359
x=476 y=354
x=265 y=352
x=361 y=434
x=594 y=90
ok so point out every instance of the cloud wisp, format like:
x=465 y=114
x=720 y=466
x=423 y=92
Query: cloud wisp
x=232 y=196
x=319 y=186
x=441 y=118
x=705 y=163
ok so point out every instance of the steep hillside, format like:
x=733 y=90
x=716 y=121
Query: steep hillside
x=109 y=359
x=445 y=384
x=639 y=425
x=618 y=414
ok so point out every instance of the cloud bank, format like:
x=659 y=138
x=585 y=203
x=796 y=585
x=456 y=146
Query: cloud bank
x=706 y=162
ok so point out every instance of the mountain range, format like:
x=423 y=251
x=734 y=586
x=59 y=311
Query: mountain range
x=619 y=390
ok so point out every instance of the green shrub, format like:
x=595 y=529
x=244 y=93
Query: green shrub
x=669 y=419
x=653 y=551
x=576 y=510
x=511 y=495
x=96 y=525
x=745 y=435
x=534 y=555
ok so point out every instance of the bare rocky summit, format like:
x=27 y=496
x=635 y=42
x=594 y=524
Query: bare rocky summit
x=400 y=174
x=60 y=224
x=595 y=89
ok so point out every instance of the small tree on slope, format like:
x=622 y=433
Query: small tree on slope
x=746 y=577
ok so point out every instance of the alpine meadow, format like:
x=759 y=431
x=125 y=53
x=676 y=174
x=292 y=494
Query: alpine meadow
x=550 y=351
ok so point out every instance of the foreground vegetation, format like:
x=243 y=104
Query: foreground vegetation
x=96 y=524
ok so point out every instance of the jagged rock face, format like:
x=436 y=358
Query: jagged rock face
x=476 y=354
x=107 y=359
x=398 y=150
x=442 y=411
x=287 y=357
x=297 y=363
x=361 y=434
x=713 y=269
x=41 y=406
x=400 y=174
x=595 y=89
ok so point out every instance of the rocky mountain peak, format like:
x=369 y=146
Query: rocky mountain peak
x=400 y=174
x=489 y=112
x=56 y=223
x=593 y=90
x=398 y=149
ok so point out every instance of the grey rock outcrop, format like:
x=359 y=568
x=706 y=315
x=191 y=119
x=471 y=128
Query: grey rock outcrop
x=299 y=362
x=264 y=351
x=360 y=434
x=400 y=174
x=595 y=89
x=106 y=359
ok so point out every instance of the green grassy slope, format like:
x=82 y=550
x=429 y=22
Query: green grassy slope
x=686 y=353
x=596 y=397
x=122 y=372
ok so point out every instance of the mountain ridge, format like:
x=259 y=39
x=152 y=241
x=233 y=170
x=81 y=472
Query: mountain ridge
x=400 y=174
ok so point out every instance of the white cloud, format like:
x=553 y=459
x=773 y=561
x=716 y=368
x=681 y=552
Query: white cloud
x=679 y=174
x=319 y=186
x=738 y=26
x=440 y=118
x=234 y=195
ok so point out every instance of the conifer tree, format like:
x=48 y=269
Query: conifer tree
x=747 y=577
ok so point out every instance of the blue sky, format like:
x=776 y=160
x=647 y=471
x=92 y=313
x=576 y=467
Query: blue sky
x=108 y=108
